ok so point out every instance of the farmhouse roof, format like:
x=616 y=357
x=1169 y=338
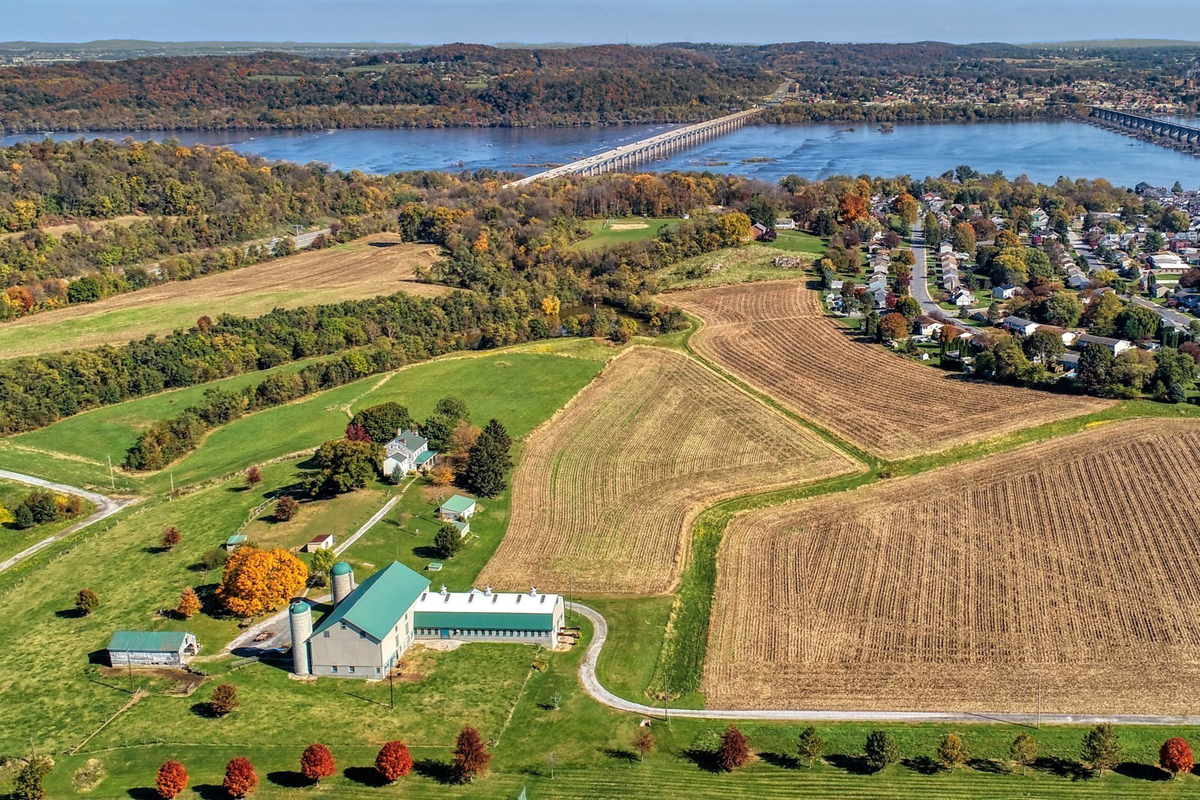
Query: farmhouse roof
x=148 y=641
x=379 y=602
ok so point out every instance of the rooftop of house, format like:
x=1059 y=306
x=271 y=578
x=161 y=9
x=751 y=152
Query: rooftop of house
x=379 y=602
x=406 y=442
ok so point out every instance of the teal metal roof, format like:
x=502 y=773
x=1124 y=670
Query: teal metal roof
x=301 y=607
x=379 y=602
x=341 y=568
x=236 y=538
x=457 y=504
x=423 y=457
x=492 y=621
x=147 y=641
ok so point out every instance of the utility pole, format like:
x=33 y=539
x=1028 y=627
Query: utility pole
x=172 y=497
x=392 y=688
x=111 y=478
x=1039 y=702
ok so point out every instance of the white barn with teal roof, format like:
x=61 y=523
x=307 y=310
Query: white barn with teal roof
x=372 y=625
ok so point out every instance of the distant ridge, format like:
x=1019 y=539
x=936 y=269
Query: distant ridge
x=1111 y=43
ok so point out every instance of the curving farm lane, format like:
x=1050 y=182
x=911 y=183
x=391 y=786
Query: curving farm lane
x=105 y=507
x=587 y=676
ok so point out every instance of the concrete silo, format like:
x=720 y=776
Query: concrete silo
x=343 y=582
x=300 y=618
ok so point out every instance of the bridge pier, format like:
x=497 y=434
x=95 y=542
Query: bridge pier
x=1166 y=134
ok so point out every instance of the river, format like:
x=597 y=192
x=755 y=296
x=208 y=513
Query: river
x=1042 y=150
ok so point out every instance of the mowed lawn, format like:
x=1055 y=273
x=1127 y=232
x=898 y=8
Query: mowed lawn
x=520 y=386
x=619 y=230
x=576 y=750
x=375 y=265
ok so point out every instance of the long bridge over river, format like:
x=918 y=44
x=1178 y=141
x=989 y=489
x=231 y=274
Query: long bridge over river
x=1163 y=132
x=655 y=147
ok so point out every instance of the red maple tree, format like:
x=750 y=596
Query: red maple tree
x=393 y=761
x=317 y=762
x=470 y=755
x=733 y=752
x=171 y=779
x=1176 y=756
x=240 y=778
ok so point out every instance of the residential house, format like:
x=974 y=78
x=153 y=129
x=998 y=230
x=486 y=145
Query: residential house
x=1114 y=346
x=1004 y=292
x=785 y=224
x=1019 y=325
x=927 y=326
x=408 y=452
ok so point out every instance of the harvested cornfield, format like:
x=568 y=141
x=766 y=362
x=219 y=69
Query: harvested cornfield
x=1074 y=560
x=774 y=336
x=605 y=492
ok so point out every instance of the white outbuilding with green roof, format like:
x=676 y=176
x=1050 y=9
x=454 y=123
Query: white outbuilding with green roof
x=369 y=629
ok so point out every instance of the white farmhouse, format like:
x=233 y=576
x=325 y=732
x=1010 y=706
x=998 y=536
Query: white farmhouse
x=408 y=452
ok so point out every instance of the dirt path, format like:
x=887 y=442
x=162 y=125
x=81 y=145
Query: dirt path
x=105 y=507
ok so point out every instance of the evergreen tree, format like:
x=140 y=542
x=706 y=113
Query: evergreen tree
x=488 y=460
x=28 y=784
x=1101 y=748
x=447 y=541
x=881 y=750
x=22 y=517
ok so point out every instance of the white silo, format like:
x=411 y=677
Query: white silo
x=301 y=624
x=343 y=581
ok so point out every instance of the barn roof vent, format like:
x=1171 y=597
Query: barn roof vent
x=443 y=591
x=533 y=591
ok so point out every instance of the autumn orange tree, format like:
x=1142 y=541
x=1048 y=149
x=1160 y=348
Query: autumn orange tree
x=852 y=206
x=189 y=603
x=1176 y=756
x=171 y=779
x=893 y=326
x=260 y=580
x=317 y=762
x=240 y=778
x=471 y=756
x=393 y=761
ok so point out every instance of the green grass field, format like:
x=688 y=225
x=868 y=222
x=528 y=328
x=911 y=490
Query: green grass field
x=520 y=386
x=745 y=264
x=799 y=242
x=619 y=230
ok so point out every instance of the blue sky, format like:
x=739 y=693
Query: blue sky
x=490 y=21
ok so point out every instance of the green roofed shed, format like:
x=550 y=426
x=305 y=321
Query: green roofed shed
x=151 y=648
x=458 y=506
x=379 y=602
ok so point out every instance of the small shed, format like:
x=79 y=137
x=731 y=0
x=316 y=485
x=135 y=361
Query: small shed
x=464 y=527
x=234 y=541
x=322 y=541
x=457 y=507
x=151 y=648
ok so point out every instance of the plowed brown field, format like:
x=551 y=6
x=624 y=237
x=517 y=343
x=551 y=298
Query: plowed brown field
x=376 y=265
x=604 y=494
x=775 y=337
x=954 y=590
